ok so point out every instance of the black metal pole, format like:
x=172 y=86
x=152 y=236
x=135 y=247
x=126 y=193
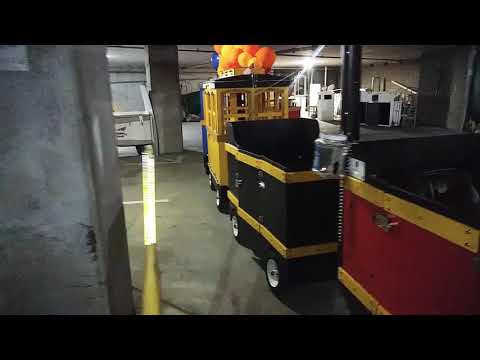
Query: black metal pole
x=355 y=59
x=351 y=71
x=345 y=87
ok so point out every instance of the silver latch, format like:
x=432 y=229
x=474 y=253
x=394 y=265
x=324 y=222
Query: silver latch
x=383 y=222
x=261 y=185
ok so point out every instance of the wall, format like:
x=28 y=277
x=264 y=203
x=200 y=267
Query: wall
x=333 y=76
x=188 y=86
x=406 y=74
x=125 y=89
x=442 y=88
x=63 y=243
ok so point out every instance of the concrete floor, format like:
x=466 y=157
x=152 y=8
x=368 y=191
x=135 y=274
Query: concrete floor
x=203 y=269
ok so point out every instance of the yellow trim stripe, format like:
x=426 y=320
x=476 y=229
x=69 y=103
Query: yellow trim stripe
x=453 y=231
x=288 y=253
x=361 y=294
x=317 y=249
x=272 y=170
x=250 y=220
x=249 y=160
x=231 y=149
x=305 y=176
x=233 y=199
x=277 y=245
x=285 y=177
x=364 y=190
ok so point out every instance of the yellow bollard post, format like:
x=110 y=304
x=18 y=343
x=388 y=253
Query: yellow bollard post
x=151 y=281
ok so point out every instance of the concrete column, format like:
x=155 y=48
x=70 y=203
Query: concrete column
x=162 y=69
x=63 y=247
x=458 y=89
x=442 y=95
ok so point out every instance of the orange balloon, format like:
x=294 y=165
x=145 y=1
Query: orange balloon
x=244 y=58
x=251 y=62
x=265 y=57
x=226 y=49
x=218 y=49
x=232 y=58
x=251 y=49
x=221 y=64
x=238 y=46
x=273 y=57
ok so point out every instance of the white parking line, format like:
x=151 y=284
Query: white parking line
x=141 y=202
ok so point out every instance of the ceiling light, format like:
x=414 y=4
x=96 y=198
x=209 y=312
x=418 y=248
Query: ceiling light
x=308 y=63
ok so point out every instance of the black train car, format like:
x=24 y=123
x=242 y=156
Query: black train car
x=288 y=213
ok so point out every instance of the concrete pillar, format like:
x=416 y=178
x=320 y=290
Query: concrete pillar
x=63 y=245
x=458 y=89
x=162 y=76
x=442 y=94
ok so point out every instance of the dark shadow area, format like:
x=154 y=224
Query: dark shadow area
x=319 y=298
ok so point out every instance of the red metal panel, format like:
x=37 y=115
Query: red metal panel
x=428 y=274
x=362 y=248
x=408 y=270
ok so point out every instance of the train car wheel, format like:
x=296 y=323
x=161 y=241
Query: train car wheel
x=235 y=225
x=222 y=200
x=276 y=273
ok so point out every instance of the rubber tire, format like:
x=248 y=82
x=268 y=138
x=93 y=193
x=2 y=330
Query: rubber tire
x=221 y=200
x=211 y=182
x=284 y=282
x=140 y=149
x=234 y=219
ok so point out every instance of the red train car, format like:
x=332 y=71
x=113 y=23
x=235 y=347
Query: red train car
x=411 y=225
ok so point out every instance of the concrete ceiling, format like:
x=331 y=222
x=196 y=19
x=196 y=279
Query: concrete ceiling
x=196 y=58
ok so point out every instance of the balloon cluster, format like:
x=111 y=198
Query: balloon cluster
x=243 y=56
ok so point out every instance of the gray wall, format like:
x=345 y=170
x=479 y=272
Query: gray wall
x=406 y=74
x=188 y=86
x=63 y=243
x=442 y=85
x=125 y=89
x=333 y=76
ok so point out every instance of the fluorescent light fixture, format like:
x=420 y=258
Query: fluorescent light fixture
x=308 y=63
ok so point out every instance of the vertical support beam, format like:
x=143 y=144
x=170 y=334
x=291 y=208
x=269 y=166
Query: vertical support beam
x=355 y=59
x=165 y=95
x=472 y=59
x=345 y=87
x=147 y=69
x=351 y=73
x=63 y=245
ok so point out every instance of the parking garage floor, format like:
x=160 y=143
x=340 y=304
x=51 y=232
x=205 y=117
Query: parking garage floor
x=203 y=269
